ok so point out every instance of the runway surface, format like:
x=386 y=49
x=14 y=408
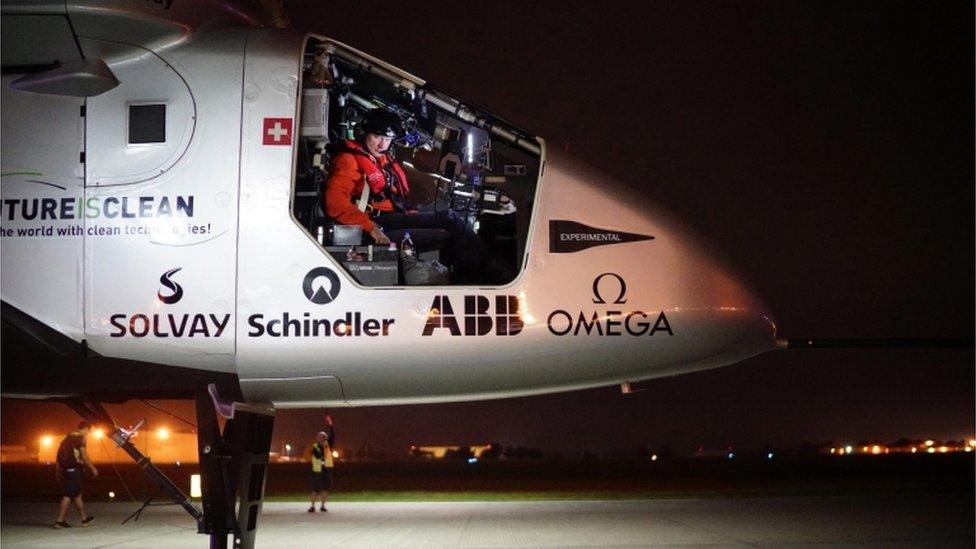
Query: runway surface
x=872 y=521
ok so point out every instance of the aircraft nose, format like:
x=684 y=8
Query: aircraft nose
x=709 y=316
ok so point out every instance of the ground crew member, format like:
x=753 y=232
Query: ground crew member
x=72 y=458
x=322 y=464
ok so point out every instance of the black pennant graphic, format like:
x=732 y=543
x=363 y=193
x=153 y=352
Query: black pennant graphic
x=569 y=236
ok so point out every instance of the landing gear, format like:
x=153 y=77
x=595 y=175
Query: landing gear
x=233 y=467
x=233 y=464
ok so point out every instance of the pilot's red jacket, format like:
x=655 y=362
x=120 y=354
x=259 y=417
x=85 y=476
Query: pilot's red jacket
x=350 y=170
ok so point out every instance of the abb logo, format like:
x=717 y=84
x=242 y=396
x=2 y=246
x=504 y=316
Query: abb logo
x=478 y=320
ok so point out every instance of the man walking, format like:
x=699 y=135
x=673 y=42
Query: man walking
x=72 y=459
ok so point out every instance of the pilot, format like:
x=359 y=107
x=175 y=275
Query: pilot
x=382 y=205
x=72 y=460
x=322 y=464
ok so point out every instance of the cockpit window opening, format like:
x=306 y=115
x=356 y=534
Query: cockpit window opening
x=469 y=173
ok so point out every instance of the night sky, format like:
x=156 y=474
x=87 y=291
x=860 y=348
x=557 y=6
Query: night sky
x=827 y=148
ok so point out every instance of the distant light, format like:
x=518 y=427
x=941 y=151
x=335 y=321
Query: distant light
x=865 y=449
x=841 y=452
x=195 y=491
x=162 y=433
x=833 y=450
x=473 y=460
x=98 y=434
x=914 y=449
x=931 y=450
x=929 y=442
x=111 y=495
x=769 y=455
x=969 y=448
x=943 y=449
x=876 y=449
x=653 y=457
x=178 y=464
x=731 y=455
x=335 y=454
x=972 y=443
x=288 y=447
x=47 y=440
x=848 y=449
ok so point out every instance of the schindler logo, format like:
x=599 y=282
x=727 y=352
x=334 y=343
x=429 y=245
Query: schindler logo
x=608 y=322
x=176 y=291
x=569 y=236
x=321 y=286
x=478 y=320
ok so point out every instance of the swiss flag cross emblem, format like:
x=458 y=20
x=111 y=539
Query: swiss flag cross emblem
x=277 y=131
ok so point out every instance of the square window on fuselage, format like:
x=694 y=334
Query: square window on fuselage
x=147 y=124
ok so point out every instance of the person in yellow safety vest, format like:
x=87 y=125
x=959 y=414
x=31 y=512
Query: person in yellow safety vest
x=322 y=465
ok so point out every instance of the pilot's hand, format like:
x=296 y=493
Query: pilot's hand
x=377 y=235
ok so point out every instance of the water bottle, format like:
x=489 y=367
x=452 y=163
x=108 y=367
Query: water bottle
x=406 y=246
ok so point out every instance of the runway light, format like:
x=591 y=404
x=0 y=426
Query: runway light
x=335 y=454
x=98 y=434
x=848 y=449
x=931 y=450
x=653 y=457
x=876 y=449
x=288 y=447
x=473 y=460
x=969 y=448
x=162 y=433
x=929 y=442
x=972 y=443
x=833 y=450
x=731 y=455
x=865 y=449
x=111 y=495
x=914 y=449
x=195 y=491
x=178 y=464
x=769 y=455
x=47 y=441
x=943 y=449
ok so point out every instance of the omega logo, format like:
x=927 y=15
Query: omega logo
x=598 y=298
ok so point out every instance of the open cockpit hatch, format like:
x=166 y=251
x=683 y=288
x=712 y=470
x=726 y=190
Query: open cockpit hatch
x=457 y=159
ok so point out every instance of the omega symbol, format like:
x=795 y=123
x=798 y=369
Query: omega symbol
x=598 y=298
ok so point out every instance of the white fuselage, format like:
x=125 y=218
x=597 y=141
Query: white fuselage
x=86 y=243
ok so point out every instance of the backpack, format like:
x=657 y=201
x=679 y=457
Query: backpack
x=66 y=455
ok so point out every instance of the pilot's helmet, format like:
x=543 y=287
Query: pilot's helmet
x=382 y=122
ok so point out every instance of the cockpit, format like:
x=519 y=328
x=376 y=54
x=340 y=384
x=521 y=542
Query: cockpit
x=461 y=162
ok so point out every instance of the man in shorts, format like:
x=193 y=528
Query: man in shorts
x=72 y=460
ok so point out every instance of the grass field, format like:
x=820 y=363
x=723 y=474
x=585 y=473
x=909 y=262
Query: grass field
x=533 y=480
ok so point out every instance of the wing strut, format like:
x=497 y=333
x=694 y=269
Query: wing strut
x=878 y=343
x=233 y=464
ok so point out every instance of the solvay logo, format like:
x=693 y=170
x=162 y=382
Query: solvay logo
x=157 y=324
x=321 y=286
x=621 y=295
x=176 y=290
